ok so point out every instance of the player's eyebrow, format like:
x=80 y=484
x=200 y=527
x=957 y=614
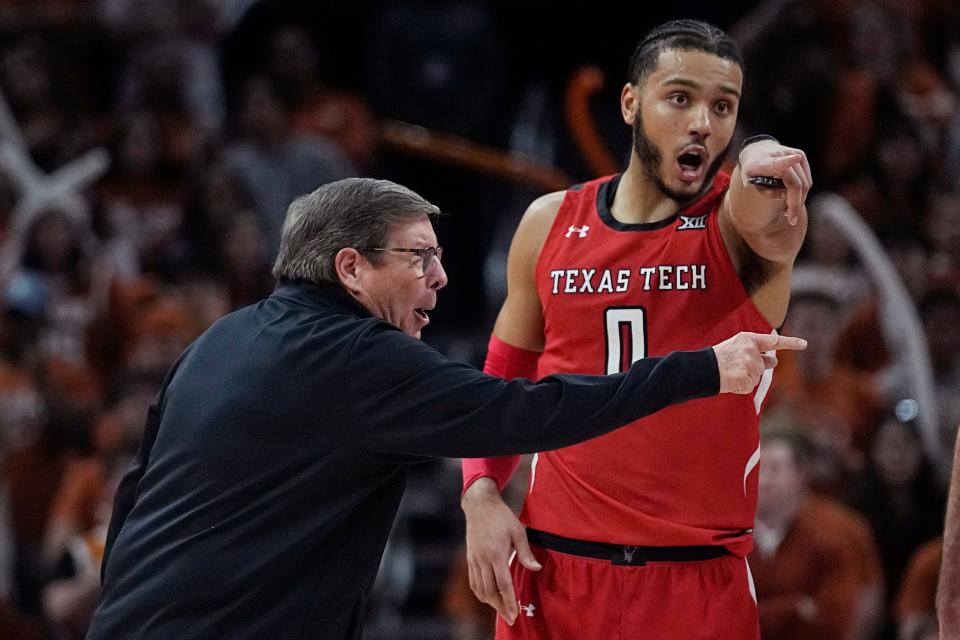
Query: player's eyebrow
x=693 y=84
x=726 y=88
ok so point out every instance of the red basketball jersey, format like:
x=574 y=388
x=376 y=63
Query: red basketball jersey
x=613 y=293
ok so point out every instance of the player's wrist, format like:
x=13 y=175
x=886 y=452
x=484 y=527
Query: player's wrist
x=763 y=137
x=480 y=492
x=752 y=140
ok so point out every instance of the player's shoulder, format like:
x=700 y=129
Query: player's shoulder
x=534 y=227
x=538 y=218
x=544 y=209
x=542 y=212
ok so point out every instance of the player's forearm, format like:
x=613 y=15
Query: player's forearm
x=508 y=362
x=948 y=590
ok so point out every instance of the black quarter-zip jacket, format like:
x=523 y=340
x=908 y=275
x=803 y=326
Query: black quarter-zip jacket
x=276 y=453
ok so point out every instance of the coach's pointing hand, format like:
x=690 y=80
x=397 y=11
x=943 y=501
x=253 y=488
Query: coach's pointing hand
x=743 y=358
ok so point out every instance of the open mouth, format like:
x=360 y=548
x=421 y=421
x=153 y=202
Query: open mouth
x=690 y=163
x=423 y=314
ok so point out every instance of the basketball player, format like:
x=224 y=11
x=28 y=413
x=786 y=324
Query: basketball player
x=643 y=533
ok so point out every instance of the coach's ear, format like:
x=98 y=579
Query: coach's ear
x=350 y=265
x=629 y=103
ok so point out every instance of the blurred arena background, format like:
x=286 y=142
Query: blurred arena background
x=148 y=150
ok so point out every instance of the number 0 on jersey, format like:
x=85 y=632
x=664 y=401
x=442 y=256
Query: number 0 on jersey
x=626 y=337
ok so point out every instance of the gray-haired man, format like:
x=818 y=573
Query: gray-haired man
x=276 y=454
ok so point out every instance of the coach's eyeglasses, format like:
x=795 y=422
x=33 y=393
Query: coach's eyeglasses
x=426 y=254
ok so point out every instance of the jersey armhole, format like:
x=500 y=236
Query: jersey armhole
x=717 y=245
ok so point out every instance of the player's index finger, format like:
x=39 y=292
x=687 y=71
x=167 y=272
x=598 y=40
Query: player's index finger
x=768 y=342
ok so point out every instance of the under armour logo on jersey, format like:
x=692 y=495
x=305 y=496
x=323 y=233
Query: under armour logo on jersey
x=698 y=222
x=527 y=609
x=580 y=231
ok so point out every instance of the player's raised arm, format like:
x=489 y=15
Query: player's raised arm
x=766 y=201
x=763 y=220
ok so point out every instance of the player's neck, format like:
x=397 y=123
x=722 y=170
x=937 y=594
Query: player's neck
x=639 y=200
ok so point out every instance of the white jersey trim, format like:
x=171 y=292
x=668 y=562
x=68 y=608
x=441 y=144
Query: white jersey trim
x=761 y=394
x=765 y=381
x=533 y=471
x=751 y=465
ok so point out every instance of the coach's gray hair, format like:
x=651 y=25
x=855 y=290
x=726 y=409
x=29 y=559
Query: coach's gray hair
x=355 y=212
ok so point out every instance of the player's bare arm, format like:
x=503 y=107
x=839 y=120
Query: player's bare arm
x=520 y=321
x=493 y=531
x=763 y=226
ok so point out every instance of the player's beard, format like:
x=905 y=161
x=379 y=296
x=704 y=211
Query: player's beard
x=650 y=158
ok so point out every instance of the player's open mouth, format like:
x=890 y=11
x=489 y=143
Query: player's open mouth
x=423 y=314
x=691 y=163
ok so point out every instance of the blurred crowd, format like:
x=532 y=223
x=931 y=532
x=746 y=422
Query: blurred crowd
x=216 y=113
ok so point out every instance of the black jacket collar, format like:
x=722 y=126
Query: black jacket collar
x=326 y=296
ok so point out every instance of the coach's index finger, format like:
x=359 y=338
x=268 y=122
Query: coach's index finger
x=773 y=342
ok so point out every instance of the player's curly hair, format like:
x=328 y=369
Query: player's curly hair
x=687 y=35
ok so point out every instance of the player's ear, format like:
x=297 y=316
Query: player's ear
x=629 y=103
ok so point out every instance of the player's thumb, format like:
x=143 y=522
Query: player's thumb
x=524 y=554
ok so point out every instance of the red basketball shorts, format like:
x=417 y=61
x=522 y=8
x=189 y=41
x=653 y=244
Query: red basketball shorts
x=580 y=598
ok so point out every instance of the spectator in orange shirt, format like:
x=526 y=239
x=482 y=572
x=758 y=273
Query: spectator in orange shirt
x=814 y=563
x=915 y=609
x=85 y=483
